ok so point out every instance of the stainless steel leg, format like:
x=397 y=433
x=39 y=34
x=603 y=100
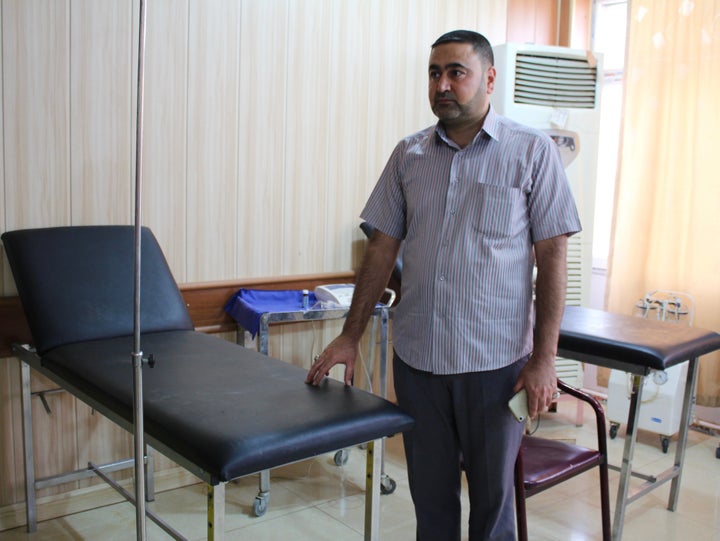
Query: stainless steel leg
x=626 y=469
x=384 y=338
x=260 y=505
x=149 y=474
x=262 y=336
x=387 y=484
x=372 y=344
x=685 y=420
x=372 y=493
x=216 y=512
x=28 y=452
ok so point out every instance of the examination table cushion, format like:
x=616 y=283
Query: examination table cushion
x=634 y=341
x=212 y=401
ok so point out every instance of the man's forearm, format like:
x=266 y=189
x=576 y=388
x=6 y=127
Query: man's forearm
x=372 y=278
x=550 y=290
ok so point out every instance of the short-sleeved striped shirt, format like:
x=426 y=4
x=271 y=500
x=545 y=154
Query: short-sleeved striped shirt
x=468 y=218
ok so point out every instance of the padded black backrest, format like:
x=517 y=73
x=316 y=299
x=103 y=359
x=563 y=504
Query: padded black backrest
x=77 y=283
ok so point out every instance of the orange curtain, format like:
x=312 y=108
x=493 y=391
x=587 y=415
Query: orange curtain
x=666 y=229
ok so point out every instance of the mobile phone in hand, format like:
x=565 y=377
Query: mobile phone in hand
x=519 y=406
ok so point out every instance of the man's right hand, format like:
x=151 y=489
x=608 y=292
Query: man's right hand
x=342 y=350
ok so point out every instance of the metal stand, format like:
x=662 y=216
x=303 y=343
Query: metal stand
x=137 y=359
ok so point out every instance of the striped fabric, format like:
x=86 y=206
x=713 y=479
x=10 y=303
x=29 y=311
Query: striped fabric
x=468 y=218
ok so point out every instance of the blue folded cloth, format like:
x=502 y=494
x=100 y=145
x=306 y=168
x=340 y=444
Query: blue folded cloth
x=246 y=306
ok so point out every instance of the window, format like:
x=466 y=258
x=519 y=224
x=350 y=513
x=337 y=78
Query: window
x=608 y=38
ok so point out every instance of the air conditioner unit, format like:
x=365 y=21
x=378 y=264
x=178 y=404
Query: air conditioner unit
x=557 y=89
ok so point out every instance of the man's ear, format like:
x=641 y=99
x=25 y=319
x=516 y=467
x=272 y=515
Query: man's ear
x=490 y=79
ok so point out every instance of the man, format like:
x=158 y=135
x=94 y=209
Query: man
x=477 y=200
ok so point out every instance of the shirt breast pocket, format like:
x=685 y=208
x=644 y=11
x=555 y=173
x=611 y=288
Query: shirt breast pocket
x=493 y=209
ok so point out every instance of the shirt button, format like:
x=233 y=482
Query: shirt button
x=442 y=277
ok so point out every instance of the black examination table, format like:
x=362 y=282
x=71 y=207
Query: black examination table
x=638 y=346
x=219 y=410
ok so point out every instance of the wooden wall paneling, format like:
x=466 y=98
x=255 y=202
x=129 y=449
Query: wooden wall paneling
x=11 y=487
x=101 y=116
x=532 y=21
x=412 y=112
x=10 y=429
x=35 y=112
x=5 y=280
x=102 y=156
x=213 y=89
x=486 y=16
x=305 y=197
x=393 y=62
x=164 y=192
x=262 y=98
x=35 y=63
x=349 y=108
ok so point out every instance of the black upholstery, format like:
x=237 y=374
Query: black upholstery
x=218 y=409
x=630 y=343
x=543 y=463
x=77 y=284
x=229 y=410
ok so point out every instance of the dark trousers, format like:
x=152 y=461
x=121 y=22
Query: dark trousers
x=462 y=422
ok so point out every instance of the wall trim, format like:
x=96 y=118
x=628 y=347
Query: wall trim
x=205 y=302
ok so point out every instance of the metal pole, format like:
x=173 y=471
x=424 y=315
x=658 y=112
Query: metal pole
x=137 y=356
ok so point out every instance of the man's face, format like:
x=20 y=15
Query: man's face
x=459 y=83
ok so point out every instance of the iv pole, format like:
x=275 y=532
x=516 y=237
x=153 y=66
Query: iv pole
x=137 y=356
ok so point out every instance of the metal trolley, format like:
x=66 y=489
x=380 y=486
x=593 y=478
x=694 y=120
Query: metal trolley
x=320 y=312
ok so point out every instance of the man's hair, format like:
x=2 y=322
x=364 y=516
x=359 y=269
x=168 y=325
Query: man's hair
x=479 y=43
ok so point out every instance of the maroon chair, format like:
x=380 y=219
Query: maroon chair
x=543 y=463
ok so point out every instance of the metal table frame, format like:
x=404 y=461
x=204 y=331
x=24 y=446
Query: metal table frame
x=625 y=496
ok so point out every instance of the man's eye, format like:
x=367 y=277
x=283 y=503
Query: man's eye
x=457 y=74
x=434 y=75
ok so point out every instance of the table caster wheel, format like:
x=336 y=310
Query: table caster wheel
x=260 y=506
x=387 y=485
x=664 y=443
x=341 y=457
x=614 y=430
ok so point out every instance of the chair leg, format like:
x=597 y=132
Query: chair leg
x=605 y=502
x=520 y=511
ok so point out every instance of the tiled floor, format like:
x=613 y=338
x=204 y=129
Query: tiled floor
x=316 y=500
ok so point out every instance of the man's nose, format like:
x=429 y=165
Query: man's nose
x=443 y=83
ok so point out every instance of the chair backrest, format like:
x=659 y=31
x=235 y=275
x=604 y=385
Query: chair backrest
x=77 y=284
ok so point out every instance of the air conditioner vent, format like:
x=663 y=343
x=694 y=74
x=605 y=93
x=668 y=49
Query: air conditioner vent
x=555 y=81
